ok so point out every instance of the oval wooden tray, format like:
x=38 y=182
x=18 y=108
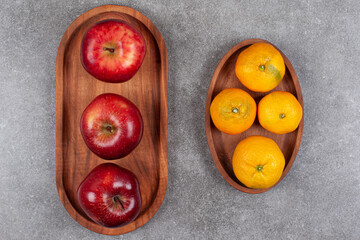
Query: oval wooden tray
x=75 y=89
x=222 y=145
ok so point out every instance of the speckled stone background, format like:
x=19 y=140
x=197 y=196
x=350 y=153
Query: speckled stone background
x=318 y=199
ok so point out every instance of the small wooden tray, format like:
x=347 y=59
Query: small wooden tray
x=222 y=145
x=75 y=89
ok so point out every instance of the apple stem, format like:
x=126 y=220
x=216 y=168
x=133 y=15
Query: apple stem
x=109 y=129
x=117 y=199
x=111 y=50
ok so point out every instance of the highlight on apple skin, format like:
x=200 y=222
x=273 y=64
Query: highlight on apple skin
x=111 y=126
x=112 y=51
x=110 y=195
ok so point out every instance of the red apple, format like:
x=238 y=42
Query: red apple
x=112 y=51
x=111 y=126
x=110 y=195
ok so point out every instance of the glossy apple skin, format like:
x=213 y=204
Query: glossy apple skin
x=112 y=51
x=111 y=126
x=100 y=192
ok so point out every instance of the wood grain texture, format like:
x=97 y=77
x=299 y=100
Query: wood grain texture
x=222 y=145
x=75 y=89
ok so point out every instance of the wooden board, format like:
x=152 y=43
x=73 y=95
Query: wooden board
x=75 y=89
x=222 y=145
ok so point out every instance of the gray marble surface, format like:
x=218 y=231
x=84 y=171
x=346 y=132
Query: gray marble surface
x=318 y=199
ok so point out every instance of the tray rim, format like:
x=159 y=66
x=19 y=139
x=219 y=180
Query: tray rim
x=163 y=144
x=209 y=137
